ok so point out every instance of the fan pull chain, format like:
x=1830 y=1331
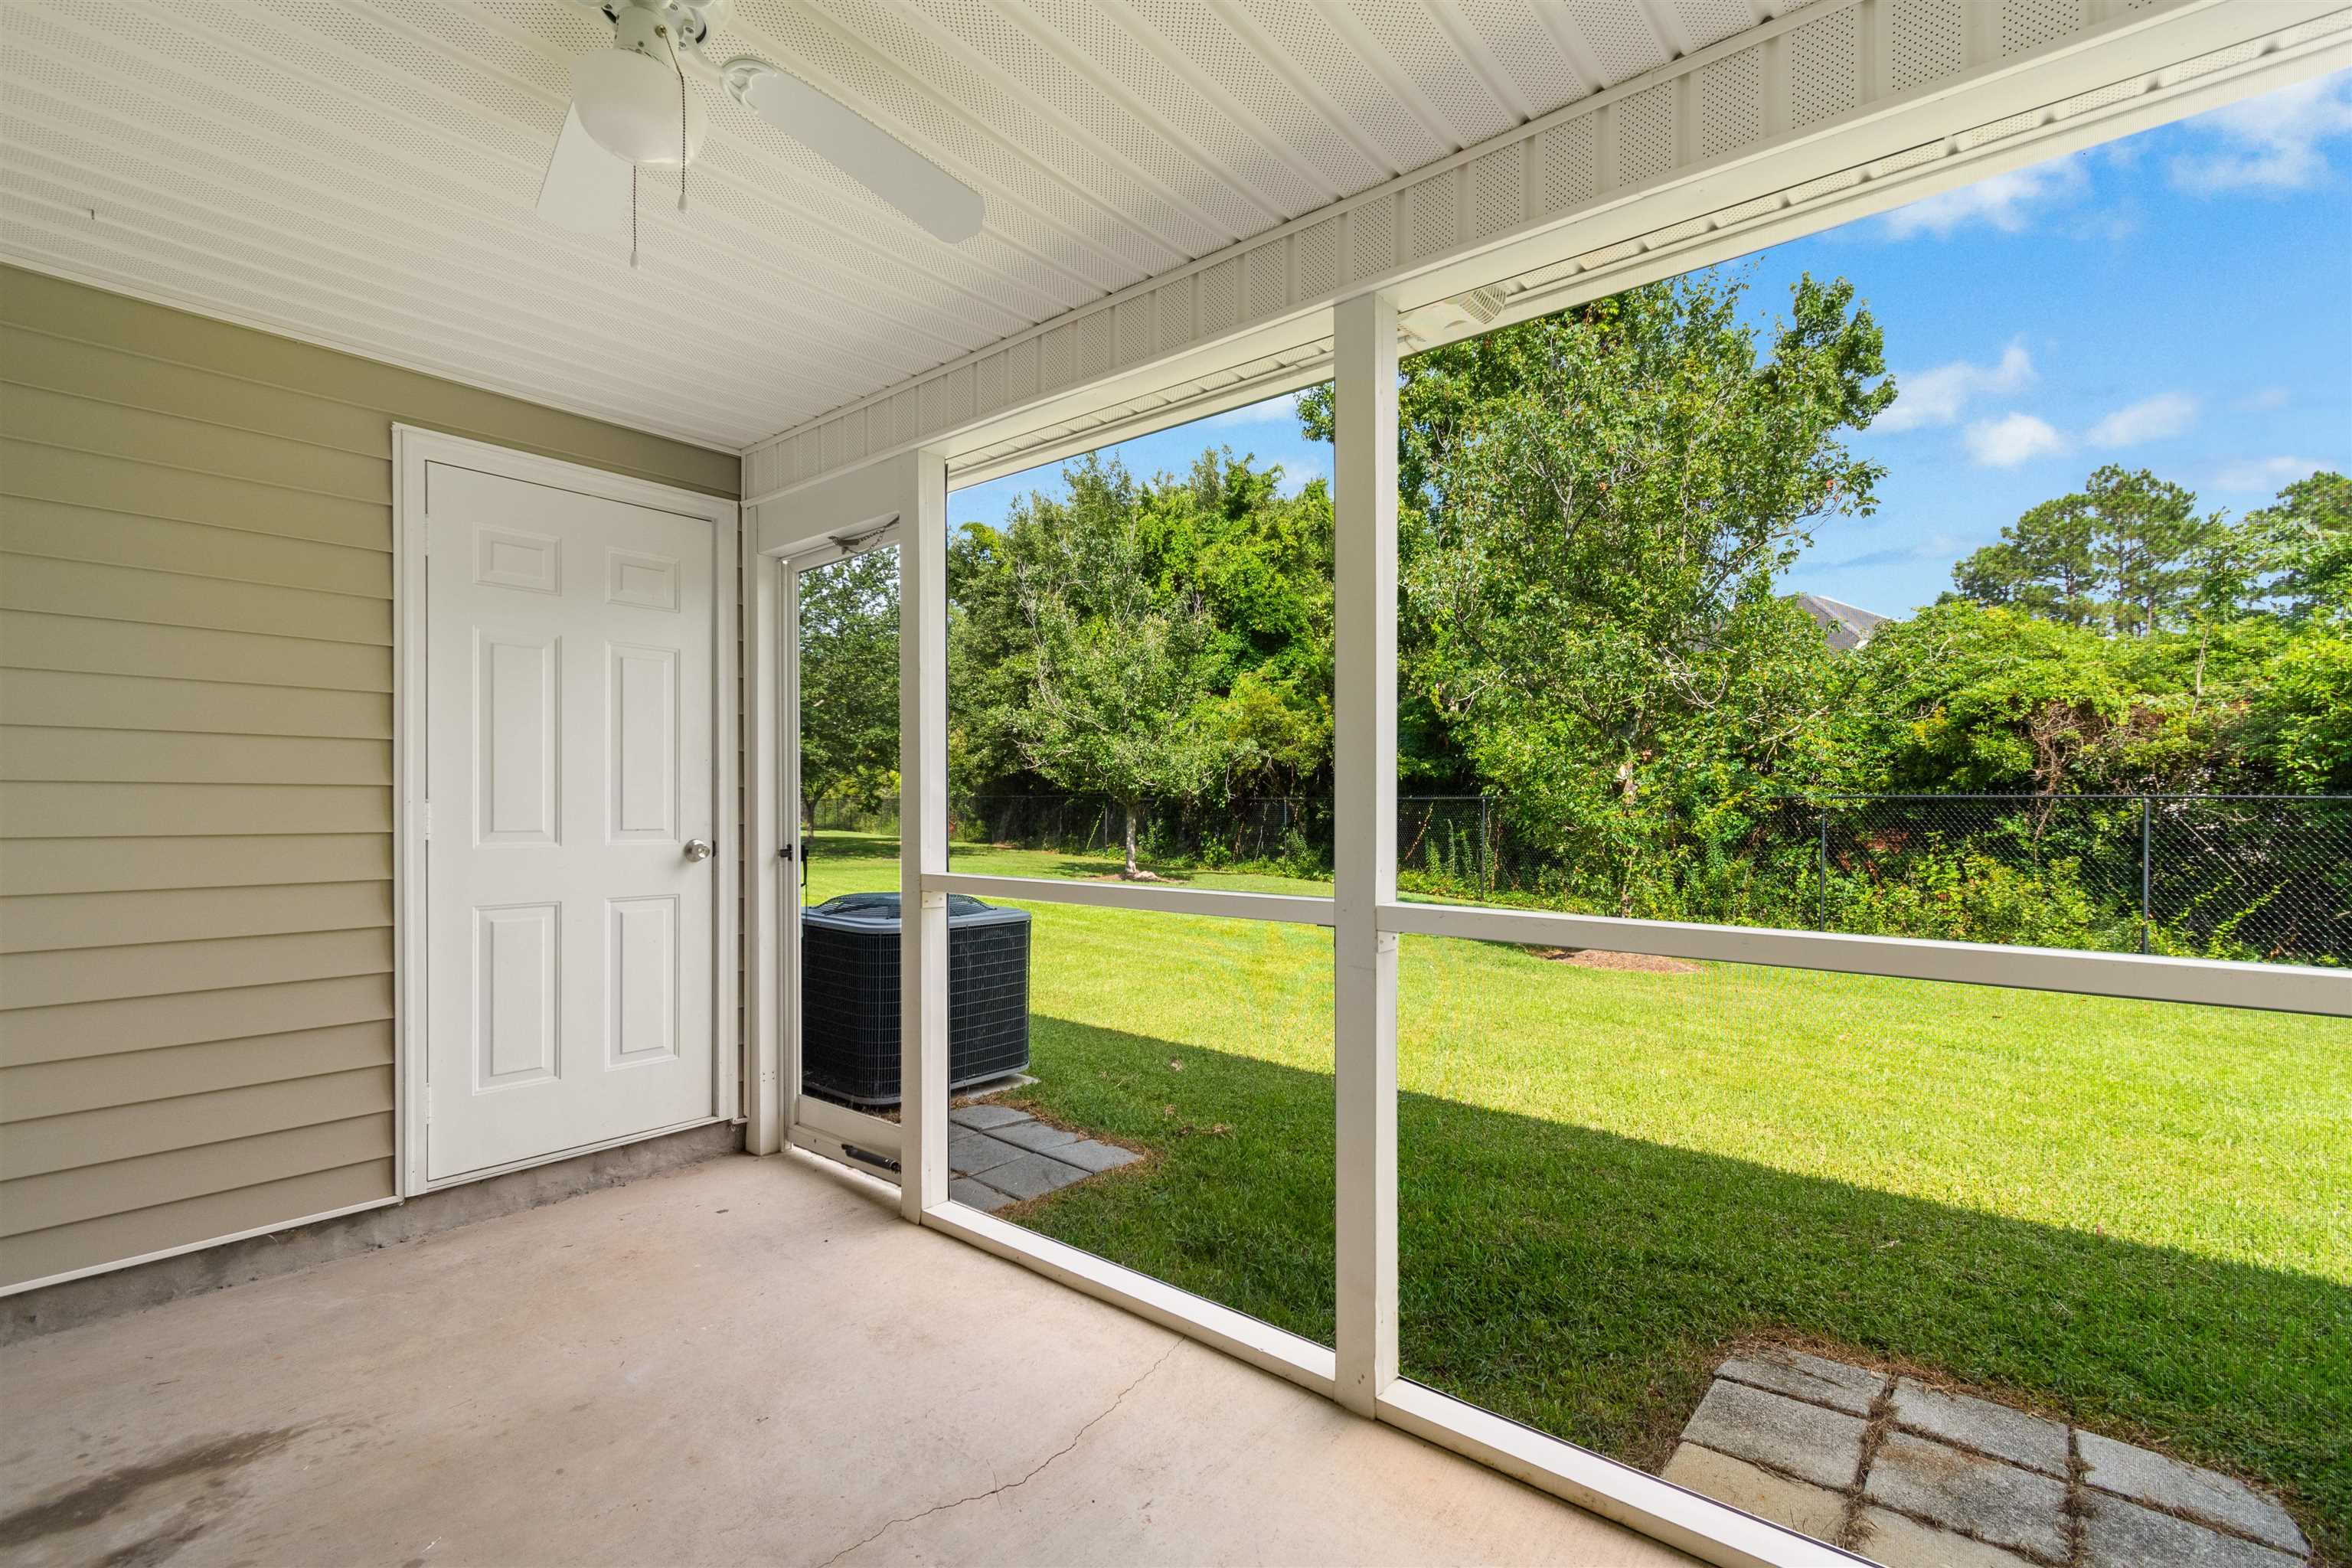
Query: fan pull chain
x=633 y=216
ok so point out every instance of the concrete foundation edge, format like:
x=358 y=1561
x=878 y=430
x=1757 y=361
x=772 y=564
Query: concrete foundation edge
x=74 y=1302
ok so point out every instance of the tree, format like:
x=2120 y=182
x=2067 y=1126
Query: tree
x=1221 y=539
x=2046 y=563
x=1261 y=565
x=1120 y=693
x=2127 y=553
x=850 y=679
x=2302 y=715
x=1608 y=497
x=2150 y=540
x=1995 y=699
x=2306 y=537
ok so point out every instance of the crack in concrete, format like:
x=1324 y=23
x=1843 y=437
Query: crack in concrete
x=1036 y=1470
x=1876 y=1425
x=2077 y=1505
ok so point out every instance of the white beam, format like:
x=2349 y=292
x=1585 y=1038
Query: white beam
x=1363 y=766
x=1296 y=909
x=2203 y=981
x=923 y=841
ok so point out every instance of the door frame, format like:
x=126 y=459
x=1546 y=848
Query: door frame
x=798 y=527
x=412 y=447
x=819 y=1126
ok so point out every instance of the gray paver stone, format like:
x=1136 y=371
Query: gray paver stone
x=976 y=1194
x=2119 y=1534
x=986 y=1116
x=1836 y=1384
x=1033 y=1176
x=2151 y=1476
x=1823 y=1447
x=1984 y=1498
x=973 y=1153
x=1981 y=1425
x=1893 y=1541
x=1034 y=1134
x=1816 y=1510
x=1091 y=1157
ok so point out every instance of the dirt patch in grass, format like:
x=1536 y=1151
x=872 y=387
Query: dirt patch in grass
x=1623 y=962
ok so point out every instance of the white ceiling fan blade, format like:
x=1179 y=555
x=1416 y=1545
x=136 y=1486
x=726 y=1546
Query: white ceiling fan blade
x=937 y=200
x=586 y=189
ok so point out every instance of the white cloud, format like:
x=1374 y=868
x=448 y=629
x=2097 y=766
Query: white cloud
x=2266 y=474
x=2001 y=202
x=2149 y=419
x=2262 y=402
x=1934 y=547
x=1299 y=470
x=1936 y=396
x=1280 y=410
x=2011 y=439
x=2271 y=142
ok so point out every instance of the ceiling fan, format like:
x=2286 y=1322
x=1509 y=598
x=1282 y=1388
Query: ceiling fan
x=632 y=108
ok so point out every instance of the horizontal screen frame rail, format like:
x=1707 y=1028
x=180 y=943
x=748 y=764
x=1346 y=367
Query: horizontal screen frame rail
x=2270 y=987
x=1290 y=909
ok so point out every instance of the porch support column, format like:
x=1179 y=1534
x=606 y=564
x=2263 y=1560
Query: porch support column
x=767 y=885
x=923 y=841
x=1363 y=766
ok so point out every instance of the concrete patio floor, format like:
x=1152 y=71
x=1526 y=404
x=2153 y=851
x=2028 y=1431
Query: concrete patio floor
x=746 y=1360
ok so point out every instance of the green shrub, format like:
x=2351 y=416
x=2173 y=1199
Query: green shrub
x=1972 y=897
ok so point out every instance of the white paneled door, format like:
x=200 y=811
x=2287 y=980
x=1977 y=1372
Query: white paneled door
x=571 y=824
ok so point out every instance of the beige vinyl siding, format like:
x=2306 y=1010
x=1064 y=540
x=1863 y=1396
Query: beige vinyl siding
x=196 y=772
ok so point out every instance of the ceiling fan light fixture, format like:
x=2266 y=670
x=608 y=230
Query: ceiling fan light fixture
x=631 y=108
x=629 y=100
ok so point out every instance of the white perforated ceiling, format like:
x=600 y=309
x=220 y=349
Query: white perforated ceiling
x=362 y=173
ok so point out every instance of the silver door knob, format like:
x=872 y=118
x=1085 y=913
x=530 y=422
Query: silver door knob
x=698 y=849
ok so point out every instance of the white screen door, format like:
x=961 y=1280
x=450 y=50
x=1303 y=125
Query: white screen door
x=840 y=839
x=571 y=819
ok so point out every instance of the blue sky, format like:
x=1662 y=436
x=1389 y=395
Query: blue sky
x=2180 y=301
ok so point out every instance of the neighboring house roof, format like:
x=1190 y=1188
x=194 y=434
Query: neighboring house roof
x=1848 y=626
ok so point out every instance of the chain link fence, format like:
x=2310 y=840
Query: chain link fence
x=1294 y=832
x=2265 y=877
x=2247 y=876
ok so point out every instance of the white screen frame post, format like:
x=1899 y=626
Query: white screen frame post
x=763 y=790
x=923 y=841
x=1363 y=768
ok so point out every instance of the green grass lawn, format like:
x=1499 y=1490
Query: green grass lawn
x=2138 y=1214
